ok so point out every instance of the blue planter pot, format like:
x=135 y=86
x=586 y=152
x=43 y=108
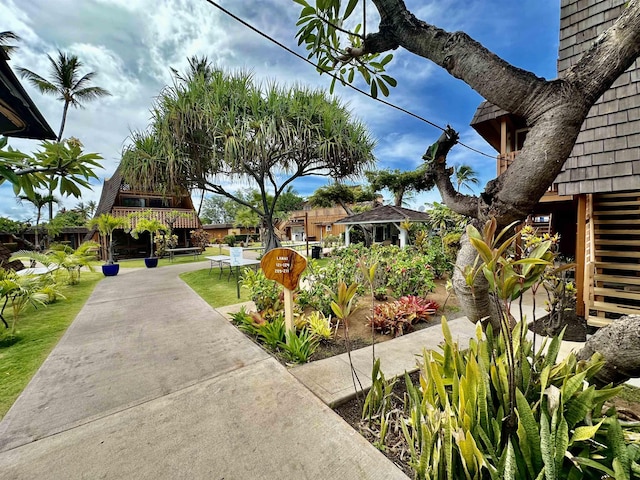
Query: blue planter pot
x=151 y=262
x=110 y=270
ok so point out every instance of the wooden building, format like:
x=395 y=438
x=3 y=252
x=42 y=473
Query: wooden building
x=313 y=224
x=594 y=202
x=120 y=200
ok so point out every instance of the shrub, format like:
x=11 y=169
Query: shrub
x=162 y=242
x=199 y=238
x=229 y=240
x=265 y=293
x=398 y=318
x=299 y=346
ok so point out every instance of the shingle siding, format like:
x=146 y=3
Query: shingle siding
x=606 y=156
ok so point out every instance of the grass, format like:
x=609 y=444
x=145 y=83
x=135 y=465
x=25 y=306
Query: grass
x=177 y=260
x=37 y=332
x=214 y=290
x=630 y=394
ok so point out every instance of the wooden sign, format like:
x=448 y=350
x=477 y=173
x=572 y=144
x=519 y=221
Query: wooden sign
x=284 y=265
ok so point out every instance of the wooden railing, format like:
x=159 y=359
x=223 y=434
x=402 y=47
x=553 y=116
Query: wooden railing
x=506 y=159
x=186 y=218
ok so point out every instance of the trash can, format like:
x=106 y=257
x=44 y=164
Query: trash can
x=316 y=252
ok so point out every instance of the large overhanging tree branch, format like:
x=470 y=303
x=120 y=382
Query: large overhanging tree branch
x=215 y=129
x=554 y=111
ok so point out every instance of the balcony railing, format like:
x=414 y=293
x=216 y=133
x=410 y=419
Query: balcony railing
x=506 y=159
x=186 y=218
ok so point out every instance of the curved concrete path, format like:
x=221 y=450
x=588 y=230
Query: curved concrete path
x=149 y=382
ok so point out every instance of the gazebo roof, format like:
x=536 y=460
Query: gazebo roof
x=385 y=214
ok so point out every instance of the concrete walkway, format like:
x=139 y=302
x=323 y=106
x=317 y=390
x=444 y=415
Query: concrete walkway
x=149 y=382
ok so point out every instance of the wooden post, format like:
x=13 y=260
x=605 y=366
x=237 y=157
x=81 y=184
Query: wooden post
x=581 y=261
x=288 y=310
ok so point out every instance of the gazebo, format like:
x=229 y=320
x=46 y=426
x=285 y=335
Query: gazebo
x=383 y=218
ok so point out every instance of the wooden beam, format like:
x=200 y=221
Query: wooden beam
x=581 y=234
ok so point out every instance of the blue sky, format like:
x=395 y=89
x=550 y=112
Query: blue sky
x=132 y=43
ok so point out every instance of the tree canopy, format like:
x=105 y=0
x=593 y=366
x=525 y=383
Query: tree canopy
x=400 y=183
x=220 y=130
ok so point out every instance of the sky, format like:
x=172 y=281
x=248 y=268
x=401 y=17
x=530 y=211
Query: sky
x=131 y=45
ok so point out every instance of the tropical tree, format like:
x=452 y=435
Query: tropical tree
x=224 y=128
x=39 y=201
x=72 y=88
x=66 y=82
x=465 y=175
x=145 y=222
x=106 y=225
x=247 y=218
x=553 y=110
x=400 y=183
x=6 y=38
x=62 y=165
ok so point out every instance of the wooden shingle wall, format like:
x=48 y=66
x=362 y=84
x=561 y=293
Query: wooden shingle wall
x=606 y=156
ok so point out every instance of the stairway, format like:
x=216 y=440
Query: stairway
x=613 y=256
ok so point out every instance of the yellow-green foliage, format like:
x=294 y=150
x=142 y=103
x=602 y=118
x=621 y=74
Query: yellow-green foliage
x=457 y=422
x=319 y=325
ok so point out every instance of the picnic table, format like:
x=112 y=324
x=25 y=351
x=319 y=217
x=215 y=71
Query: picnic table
x=187 y=250
x=223 y=261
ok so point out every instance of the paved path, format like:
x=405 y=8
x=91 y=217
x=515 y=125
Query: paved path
x=149 y=382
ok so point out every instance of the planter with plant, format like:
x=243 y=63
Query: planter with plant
x=154 y=227
x=106 y=225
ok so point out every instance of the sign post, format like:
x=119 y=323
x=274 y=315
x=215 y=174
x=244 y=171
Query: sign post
x=235 y=259
x=284 y=265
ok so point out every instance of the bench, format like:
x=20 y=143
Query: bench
x=195 y=251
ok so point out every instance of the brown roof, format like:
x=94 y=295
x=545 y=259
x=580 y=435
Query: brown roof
x=487 y=111
x=385 y=214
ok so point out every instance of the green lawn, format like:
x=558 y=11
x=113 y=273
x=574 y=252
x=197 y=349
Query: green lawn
x=37 y=332
x=139 y=262
x=216 y=291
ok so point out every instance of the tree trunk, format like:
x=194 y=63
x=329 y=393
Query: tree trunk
x=618 y=343
x=270 y=240
x=475 y=301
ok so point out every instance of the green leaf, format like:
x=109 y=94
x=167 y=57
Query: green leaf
x=350 y=6
x=390 y=80
x=584 y=433
x=374 y=90
x=383 y=88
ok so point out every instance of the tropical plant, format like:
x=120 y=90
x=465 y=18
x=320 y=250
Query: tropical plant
x=455 y=426
x=162 y=242
x=299 y=346
x=106 y=225
x=199 y=238
x=18 y=291
x=398 y=317
x=400 y=184
x=65 y=258
x=265 y=293
x=318 y=325
x=230 y=240
x=147 y=222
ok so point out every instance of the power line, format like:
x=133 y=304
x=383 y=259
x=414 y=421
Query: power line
x=296 y=54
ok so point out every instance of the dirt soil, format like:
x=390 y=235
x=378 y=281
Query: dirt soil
x=360 y=333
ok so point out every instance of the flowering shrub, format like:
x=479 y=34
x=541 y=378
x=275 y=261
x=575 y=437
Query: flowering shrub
x=398 y=318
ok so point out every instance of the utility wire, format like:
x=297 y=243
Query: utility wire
x=296 y=54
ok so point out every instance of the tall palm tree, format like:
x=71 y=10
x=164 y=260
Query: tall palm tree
x=5 y=39
x=465 y=175
x=66 y=82
x=39 y=201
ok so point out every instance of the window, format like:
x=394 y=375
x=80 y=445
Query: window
x=328 y=228
x=133 y=202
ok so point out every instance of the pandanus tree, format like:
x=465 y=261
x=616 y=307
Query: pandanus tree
x=220 y=129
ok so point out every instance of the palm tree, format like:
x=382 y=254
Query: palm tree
x=106 y=225
x=67 y=83
x=465 y=175
x=5 y=38
x=39 y=201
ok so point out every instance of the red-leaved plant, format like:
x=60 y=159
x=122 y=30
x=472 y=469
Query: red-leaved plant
x=397 y=318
